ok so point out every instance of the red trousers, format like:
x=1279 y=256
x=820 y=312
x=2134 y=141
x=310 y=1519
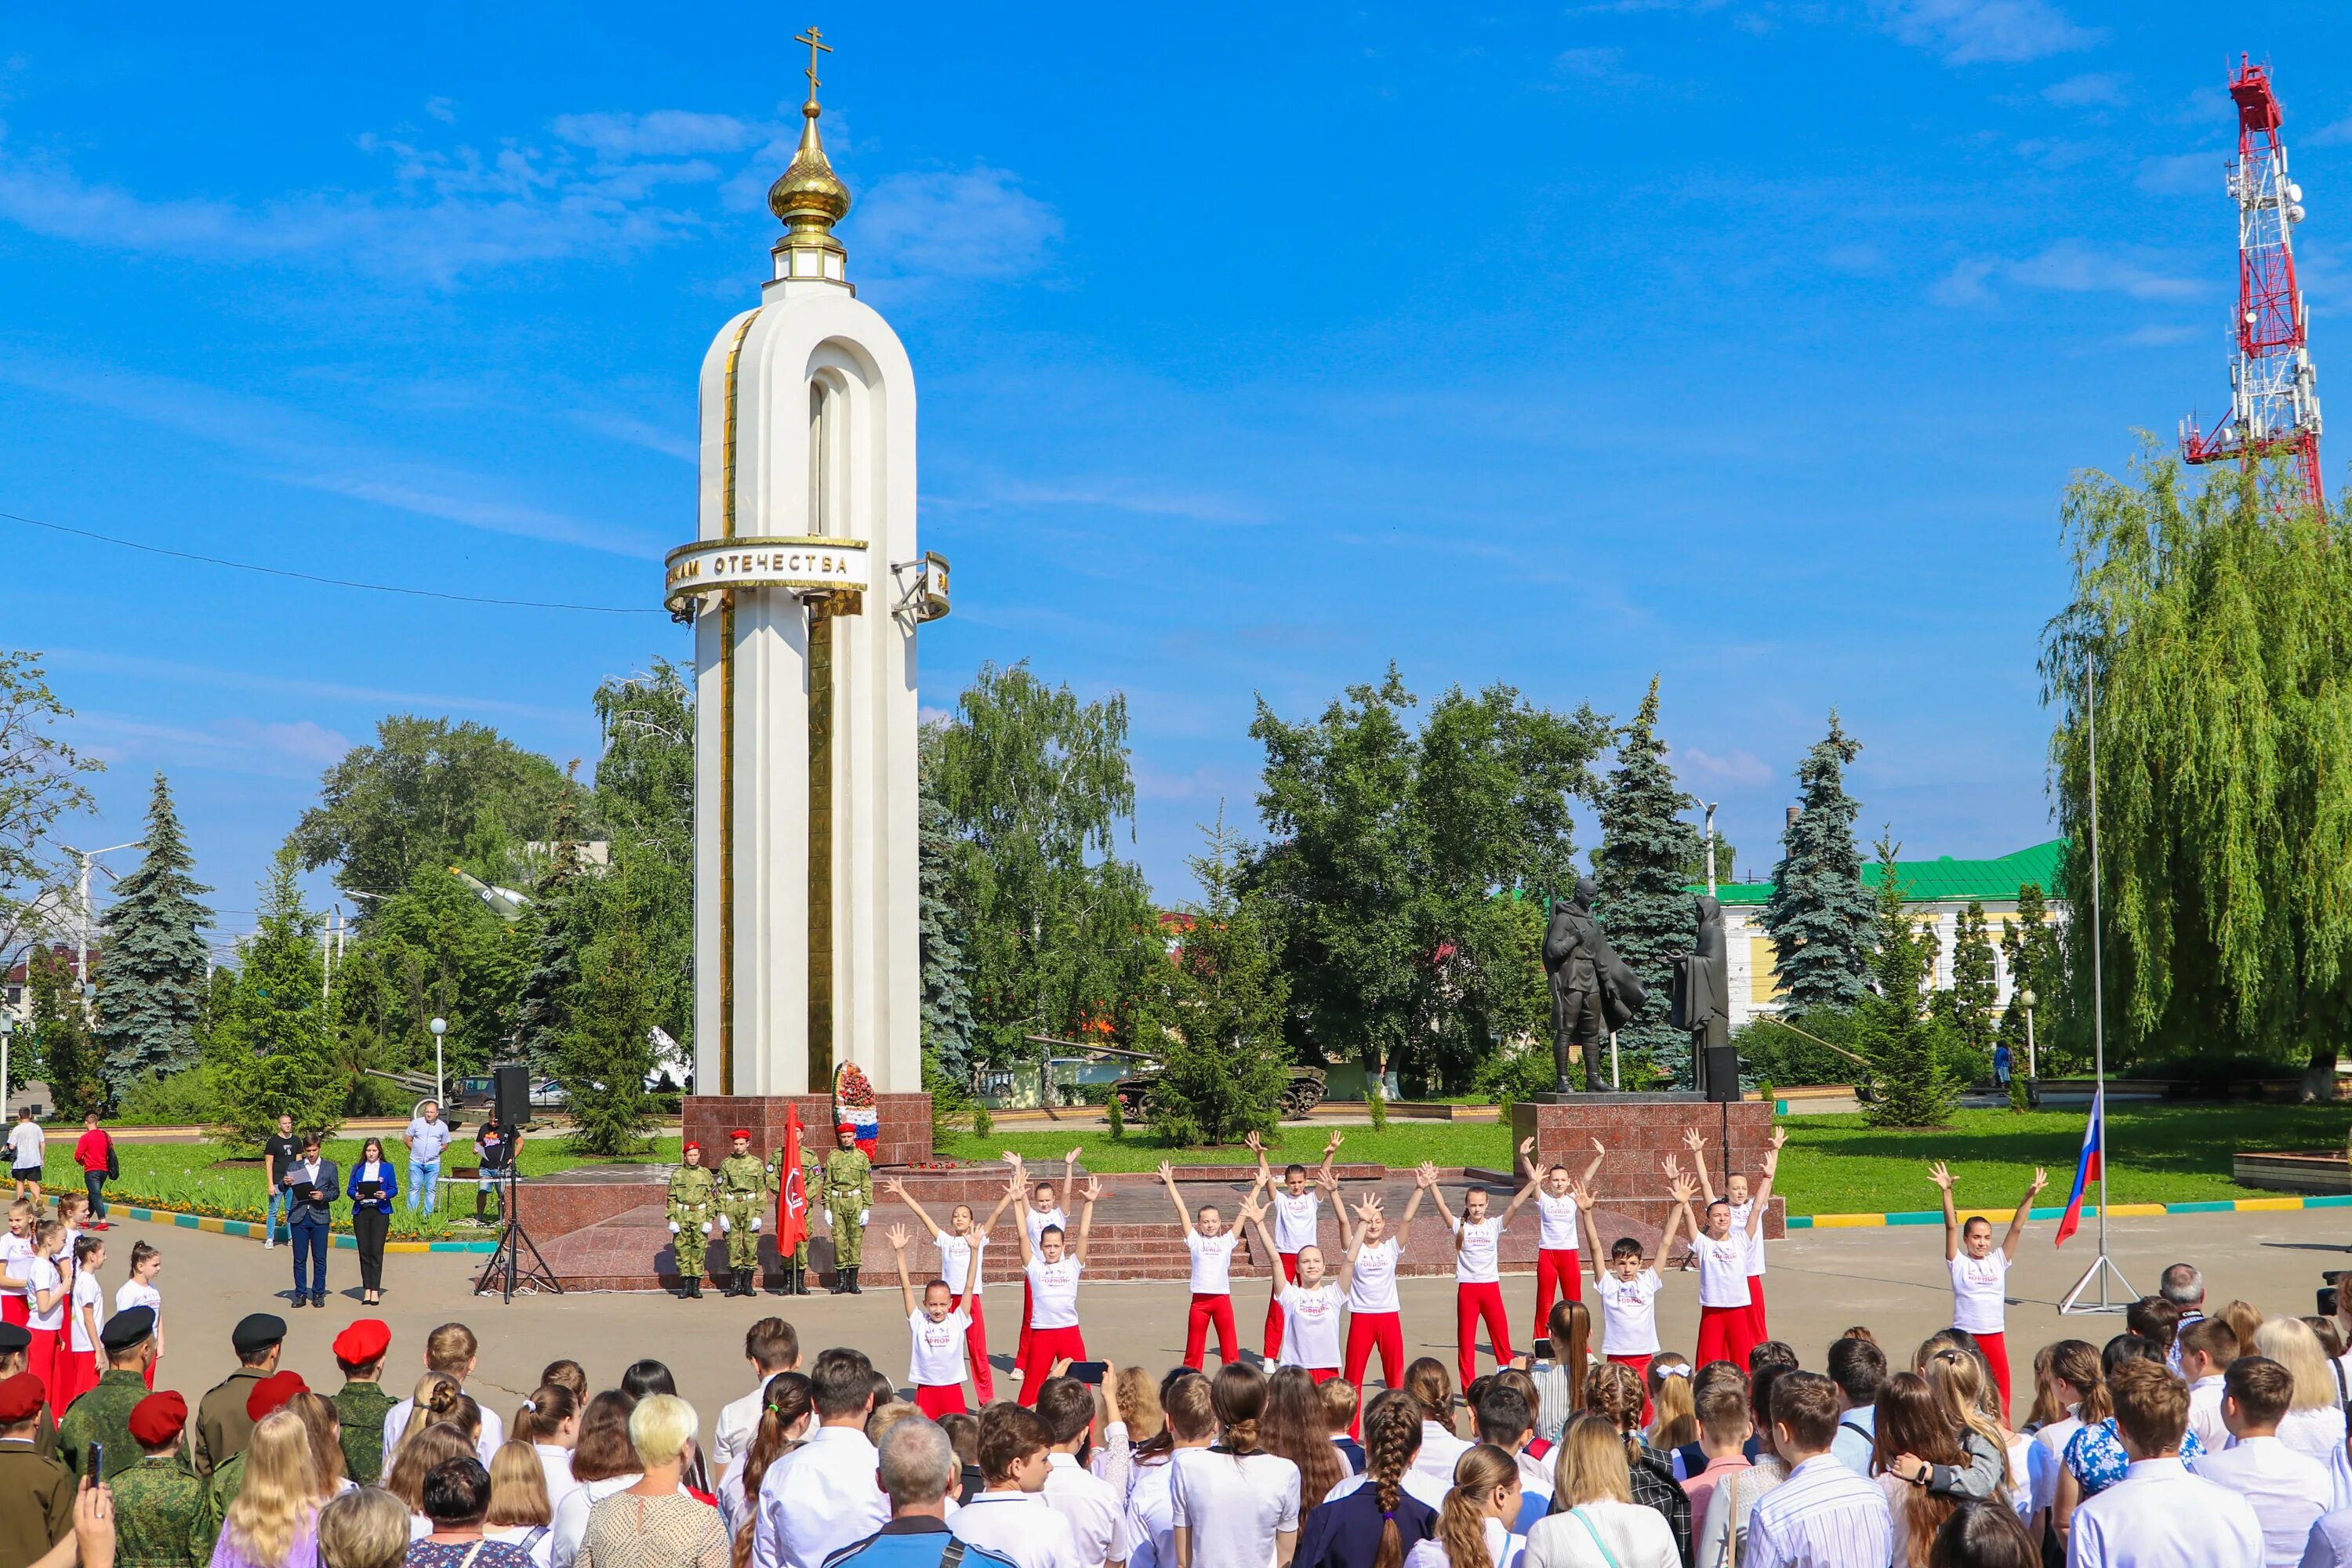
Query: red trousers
x=40 y=1359
x=938 y=1399
x=1556 y=1273
x=1021 y=1346
x=12 y=1309
x=1756 y=1312
x=1274 y=1308
x=150 y=1374
x=1996 y=1354
x=1725 y=1334
x=1641 y=1364
x=1047 y=1346
x=975 y=1347
x=1365 y=1330
x=1471 y=1303
x=1206 y=1309
x=76 y=1375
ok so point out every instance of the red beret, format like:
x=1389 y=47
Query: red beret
x=848 y=1127
x=742 y=1132
x=272 y=1392
x=693 y=1145
x=366 y=1339
x=159 y=1419
x=21 y=1398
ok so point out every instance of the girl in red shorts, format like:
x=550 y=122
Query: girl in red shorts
x=938 y=1327
x=1052 y=1267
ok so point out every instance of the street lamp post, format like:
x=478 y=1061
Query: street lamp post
x=81 y=946
x=439 y=1026
x=7 y=1033
x=2026 y=999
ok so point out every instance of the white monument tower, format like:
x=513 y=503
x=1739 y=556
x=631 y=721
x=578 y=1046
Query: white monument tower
x=805 y=587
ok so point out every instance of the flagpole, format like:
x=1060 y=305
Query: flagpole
x=2101 y=1265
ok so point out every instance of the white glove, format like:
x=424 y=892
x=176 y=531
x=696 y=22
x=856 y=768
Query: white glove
x=724 y=1225
x=705 y=1227
x=755 y=1225
x=861 y=1215
x=672 y=1228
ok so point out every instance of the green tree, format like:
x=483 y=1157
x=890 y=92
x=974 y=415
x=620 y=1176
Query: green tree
x=151 y=989
x=1726 y=861
x=608 y=1051
x=67 y=1056
x=1976 y=986
x=272 y=1052
x=40 y=781
x=2215 y=619
x=1819 y=914
x=1403 y=871
x=428 y=795
x=2029 y=947
x=1644 y=902
x=558 y=926
x=1914 y=1089
x=1218 y=1010
x=1058 y=930
x=645 y=799
x=434 y=949
x=948 y=1023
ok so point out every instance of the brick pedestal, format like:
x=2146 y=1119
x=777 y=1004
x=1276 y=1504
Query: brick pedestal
x=1639 y=1131
x=710 y=1118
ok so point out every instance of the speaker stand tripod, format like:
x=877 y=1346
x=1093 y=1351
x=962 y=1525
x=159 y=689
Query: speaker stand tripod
x=507 y=1269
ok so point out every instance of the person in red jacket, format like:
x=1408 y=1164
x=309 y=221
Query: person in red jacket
x=94 y=1153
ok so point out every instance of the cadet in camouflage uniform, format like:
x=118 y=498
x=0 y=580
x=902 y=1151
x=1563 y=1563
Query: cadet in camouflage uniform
x=848 y=1200
x=157 y=1501
x=744 y=1183
x=361 y=1404
x=102 y=1414
x=693 y=1215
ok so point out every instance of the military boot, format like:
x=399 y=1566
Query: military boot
x=853 y=1280
x=840 y=1280
x=743 y=1282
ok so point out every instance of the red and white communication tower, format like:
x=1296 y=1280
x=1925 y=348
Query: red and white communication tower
x=2273 y=395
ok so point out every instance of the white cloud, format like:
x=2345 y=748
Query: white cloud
x=1969 y=32
x=663 y=133
x=2183 y=174
x=106 y=661
x=1967 y=283
x=2333 y=134
x=2070 y=267
x=2093 y=88
x=1741 y=767
x=443 y=110
x=977 y=223
x=297 y=750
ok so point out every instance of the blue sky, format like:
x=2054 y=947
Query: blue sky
x=1747 y=344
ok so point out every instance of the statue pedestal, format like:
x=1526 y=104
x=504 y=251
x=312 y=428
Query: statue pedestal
x=710 y=1118
x=1639 y=1131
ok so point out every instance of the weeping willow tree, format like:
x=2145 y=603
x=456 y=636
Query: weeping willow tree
x=2213 y=617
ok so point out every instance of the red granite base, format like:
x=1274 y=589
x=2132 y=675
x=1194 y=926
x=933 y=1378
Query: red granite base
x=711 y=1119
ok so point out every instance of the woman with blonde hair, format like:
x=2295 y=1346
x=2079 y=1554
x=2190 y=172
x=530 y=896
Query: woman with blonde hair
x=1595 y=1521
x=1474 y=1527
x=366 y=1527
x=1964 y=1385
x=2314 y=1422
x=519 y=1512
x=1673 y=1403
x=273 y=1521
x=654 y=1524
x=324 y=1423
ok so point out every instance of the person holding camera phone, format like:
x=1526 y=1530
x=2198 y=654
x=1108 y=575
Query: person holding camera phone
x=373 y=1188
x=312 y=1189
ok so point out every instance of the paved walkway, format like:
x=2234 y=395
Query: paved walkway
x=1821 y=1282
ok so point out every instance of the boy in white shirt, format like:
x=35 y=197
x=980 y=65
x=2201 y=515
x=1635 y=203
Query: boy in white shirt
x=2207 y=1347
x=2160 y=1512
x=1095 y=1509
x=1628 y=1288
x=1211 y=1243
x=2288 y=1491
x=1010 y=1515
x=1298 y=1218
x=936 y=1328
x=1477 y=1271
x=25 y=1155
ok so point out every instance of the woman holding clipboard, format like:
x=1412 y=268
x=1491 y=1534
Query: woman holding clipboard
x=373 y=1188
x=313 y=1186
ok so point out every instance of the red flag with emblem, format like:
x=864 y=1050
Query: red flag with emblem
x=792 y=1204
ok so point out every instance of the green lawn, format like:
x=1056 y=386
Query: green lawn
x=187 y=1178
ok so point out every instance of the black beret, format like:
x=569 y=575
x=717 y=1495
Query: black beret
x=15 y=1337
x=257 y=1331
x=131 y=1326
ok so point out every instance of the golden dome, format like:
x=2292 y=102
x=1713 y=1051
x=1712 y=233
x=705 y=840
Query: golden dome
x=810 y=197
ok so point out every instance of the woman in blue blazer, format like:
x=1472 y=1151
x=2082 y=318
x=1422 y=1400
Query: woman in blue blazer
x=373 y=1188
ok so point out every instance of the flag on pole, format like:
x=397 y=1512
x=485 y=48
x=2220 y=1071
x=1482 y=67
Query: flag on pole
x=2087 y=1166
x=793 y=1202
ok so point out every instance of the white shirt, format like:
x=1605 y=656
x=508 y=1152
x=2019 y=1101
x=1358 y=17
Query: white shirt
x=137 y=1293
x=1095 y=1511
x=935 y=1350
x=1020 y=1526
x=1310 y=1326
x=24 y=1142
x=89 y=1301
x=1431 y=1475
x=1296 y=1221
x=955 y=1261
x=1234 y=1505
x=1739 y=1213
x=1503 y=1548
x=1372 y=1286
x=428 y=1139
x=1722 y=1269
x=2160 y=1516
x=1054 y=1293
x=1212 y=1261
x=739 y=1423
x=43 y=1274
x=2205 y=1414
x=2331 y=1542
x=2319 y=1434
x=1636 y=1536
x=555 y=1466
x=2288 y=1491
x=1979 y=1285
x=1476 y=1252
x=816 y=1499
x=1629 y=1312
x=1556 y=1222
x=1151 y=1515
x=1041 y=1220
x=542 y=1550
x=494 y=1433
x=572 y=1514
x=1823 y=1516
x=2047 y=1462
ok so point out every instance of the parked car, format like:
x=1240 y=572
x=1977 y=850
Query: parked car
x=1299 y=1098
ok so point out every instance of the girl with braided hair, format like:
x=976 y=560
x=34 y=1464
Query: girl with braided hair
x=787 y=1411
x=1236 y=1505
x=1370 y=1520
x=1615 y=1392
x=1473 y=1529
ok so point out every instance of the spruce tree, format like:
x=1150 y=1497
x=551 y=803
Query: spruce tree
x=608 y=1051
x=1820 y=916
x=558 y=924
x=1644 y=902
x=1975 y=980
x=272 y=1051
x=1913 y=1089
x=151 y=989
x=1217 y=1015
x=947 y=1018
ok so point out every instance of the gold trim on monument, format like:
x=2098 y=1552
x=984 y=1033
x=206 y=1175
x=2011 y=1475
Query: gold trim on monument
x=765 y=540
x=726 y=727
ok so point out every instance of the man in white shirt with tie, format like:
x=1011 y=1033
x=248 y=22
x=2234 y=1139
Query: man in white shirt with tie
x=822 y=1495
x=1823 y=1515
x=2287 y=1490
x=1095 y=1508
x=2159 y=1515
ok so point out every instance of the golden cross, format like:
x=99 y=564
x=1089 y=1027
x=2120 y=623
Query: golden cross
x=810 y=38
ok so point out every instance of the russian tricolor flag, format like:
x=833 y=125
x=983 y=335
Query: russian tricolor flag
x=2086 y=1165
